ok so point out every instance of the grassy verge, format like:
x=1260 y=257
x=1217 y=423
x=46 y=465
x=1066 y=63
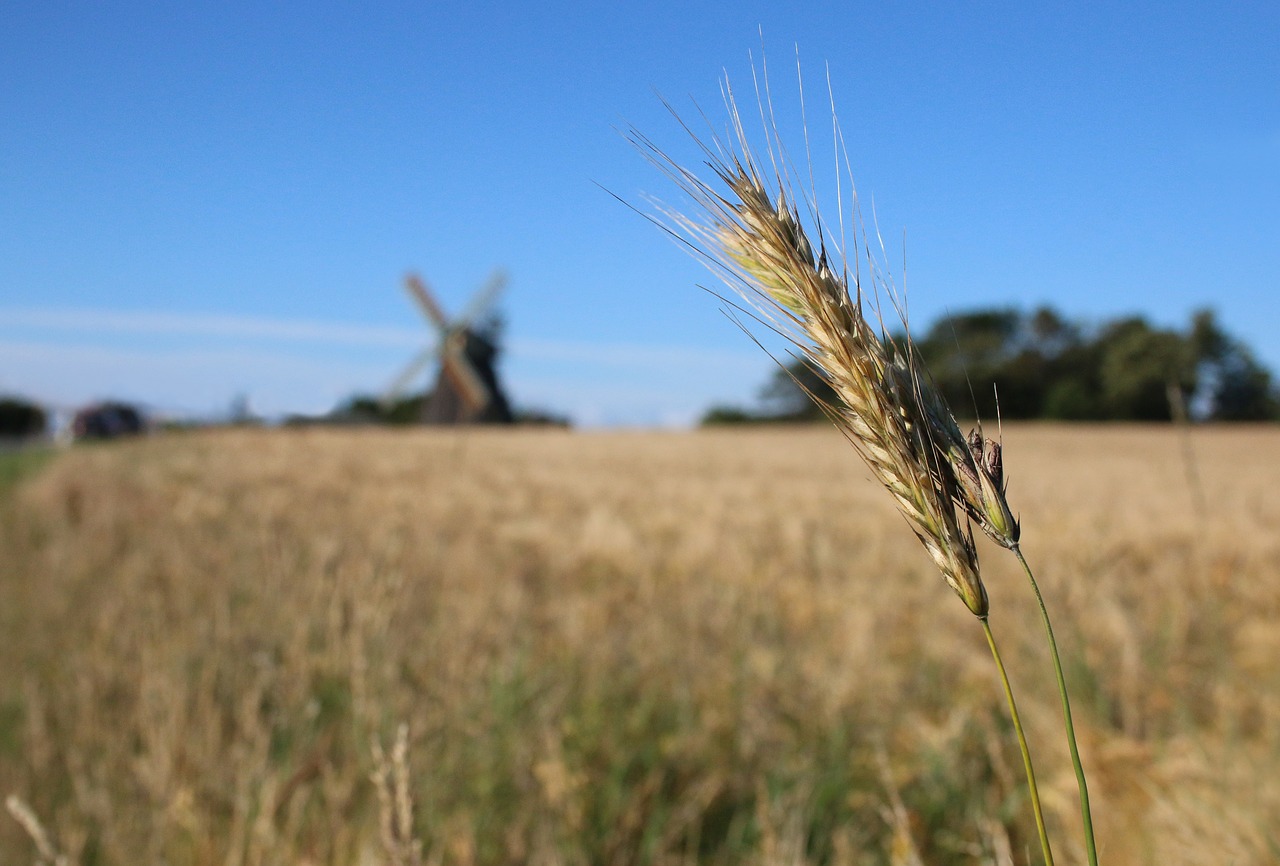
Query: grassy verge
x=17 y=464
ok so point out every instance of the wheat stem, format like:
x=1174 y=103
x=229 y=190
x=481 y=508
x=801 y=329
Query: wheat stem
x=1022 y=743
x=748 y=227
x=1085 y=814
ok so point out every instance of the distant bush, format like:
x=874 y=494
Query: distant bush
x=108 y=420
x=536 y=417
x=21 y=419
x=367 y=409
x=723 y=415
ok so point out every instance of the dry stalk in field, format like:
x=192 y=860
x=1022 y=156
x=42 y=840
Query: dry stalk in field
x=23 y=814
x=390 y=778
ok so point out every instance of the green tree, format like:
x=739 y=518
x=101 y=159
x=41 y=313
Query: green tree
x=20 y=419
x=1139 y=363
x=794 y=393
x=1237 y=387
x=1044 y=366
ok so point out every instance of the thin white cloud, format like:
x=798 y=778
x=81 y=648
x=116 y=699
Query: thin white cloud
x=87 y=322
x=208 y=325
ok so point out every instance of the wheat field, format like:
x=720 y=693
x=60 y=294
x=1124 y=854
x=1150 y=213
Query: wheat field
x=628 y=648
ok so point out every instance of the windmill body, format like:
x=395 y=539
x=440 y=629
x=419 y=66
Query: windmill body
x=467 y=390
x=455 y=399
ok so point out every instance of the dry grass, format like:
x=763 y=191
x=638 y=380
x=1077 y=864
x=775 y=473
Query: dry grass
x=626 y=648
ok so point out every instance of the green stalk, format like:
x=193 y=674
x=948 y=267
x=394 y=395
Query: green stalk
x=1022 y=743
x=1085 y=813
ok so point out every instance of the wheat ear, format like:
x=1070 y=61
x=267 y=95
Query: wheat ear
x=755 y=239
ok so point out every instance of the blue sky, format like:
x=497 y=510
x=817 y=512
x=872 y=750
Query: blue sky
x=204 y=200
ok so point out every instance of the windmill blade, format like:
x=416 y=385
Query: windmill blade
x=417 y=290
x=470 y=387
x=411 y=372
x=484 y=298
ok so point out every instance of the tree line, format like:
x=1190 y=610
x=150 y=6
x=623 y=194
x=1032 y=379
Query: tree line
x=1014 y=364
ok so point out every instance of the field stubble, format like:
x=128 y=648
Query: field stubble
x=721 y=647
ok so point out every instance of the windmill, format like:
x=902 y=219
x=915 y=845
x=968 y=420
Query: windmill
x=466 y=389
